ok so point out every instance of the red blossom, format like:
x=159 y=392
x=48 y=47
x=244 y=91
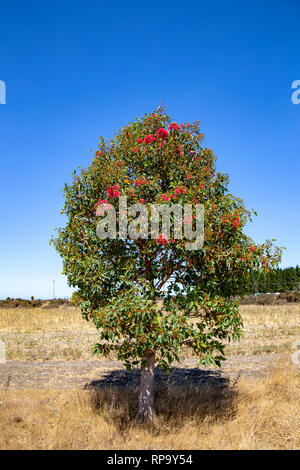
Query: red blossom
x=178 y=150
x=162 y=133
x=180 y=190
x=113 y=192
x=149 y=138
x=174 y=126
x=162 y=240
x=101 y=201
x=140 y=182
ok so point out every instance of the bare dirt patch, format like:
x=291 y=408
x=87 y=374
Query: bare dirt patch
x=64 y=375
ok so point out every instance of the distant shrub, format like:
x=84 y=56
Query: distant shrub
x=55 y=303
x=290 y=296
x=280 y=301
x=264 y=299
x=270 y=299
x=248 y=300
x=24 y=303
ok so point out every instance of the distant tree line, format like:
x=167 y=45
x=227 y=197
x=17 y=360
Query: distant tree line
x=34 y=303
x=277 y=280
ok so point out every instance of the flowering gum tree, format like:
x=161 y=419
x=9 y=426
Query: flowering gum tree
x=118 y=281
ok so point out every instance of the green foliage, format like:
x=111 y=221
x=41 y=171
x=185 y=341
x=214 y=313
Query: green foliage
x=118 y=281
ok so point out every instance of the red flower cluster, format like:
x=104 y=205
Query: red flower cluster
x=113 y=191
x=99 y=203
x=174 y=126
x=149 y=138
x=98 y=153
x=135 y=149
x=251 y=249
x=162 y=240
x=213 y=207
x=234 y=220
x=180 y=190
x=140 y=182
x=162 y=134
x=165 y=197
x=102 y=201
x=140 y=140
x=178 y=150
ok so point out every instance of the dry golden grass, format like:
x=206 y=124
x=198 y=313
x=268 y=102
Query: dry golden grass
x=62 y=333
x=31 y=320
x=43 y=334
x=251 y=415
x=268 y=329
x=42 y=320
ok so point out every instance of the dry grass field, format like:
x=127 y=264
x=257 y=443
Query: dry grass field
x=254 y=411
x=61 y=333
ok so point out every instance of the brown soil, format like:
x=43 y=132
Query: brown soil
x=79 y=374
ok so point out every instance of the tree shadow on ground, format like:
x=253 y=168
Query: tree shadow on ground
x=195 y=394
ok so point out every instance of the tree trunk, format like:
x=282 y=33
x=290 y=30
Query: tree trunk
x=146 y=392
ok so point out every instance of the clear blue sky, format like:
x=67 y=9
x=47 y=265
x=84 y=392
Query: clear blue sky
x=75 y=70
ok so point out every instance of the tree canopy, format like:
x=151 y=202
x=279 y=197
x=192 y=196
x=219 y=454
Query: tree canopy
x=156 y=161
